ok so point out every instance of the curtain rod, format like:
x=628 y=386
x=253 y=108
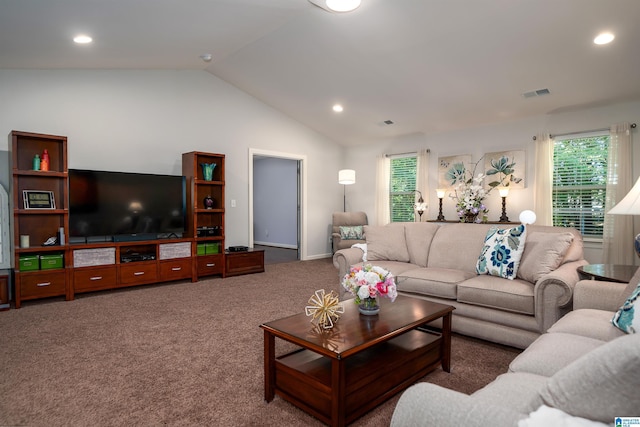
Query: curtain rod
x=633 y=126
x=403 y=154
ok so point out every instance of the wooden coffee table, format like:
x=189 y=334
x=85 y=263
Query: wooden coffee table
x=340 y=374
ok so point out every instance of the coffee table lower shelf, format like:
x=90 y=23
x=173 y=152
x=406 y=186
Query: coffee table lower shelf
x=370 y=377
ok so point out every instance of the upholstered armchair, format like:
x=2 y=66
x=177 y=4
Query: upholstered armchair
x=347 y=229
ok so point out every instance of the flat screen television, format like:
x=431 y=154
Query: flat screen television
x=121 y=206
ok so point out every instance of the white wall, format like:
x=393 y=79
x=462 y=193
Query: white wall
x=515 y=135
x=275 y=202
x=143 y=120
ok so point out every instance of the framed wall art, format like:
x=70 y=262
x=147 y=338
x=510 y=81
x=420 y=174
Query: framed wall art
x=517 y=157
x=447 y=167
x=35 y=199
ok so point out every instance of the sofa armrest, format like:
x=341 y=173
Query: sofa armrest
x=597 y=294
x=345 y=258
x=425 y=404
x=553 y=293
x=335 y=241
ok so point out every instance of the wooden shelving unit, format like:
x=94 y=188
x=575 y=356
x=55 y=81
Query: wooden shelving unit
x=89 y=267
x=205 y=224
x=103 y=266
x=39 y=224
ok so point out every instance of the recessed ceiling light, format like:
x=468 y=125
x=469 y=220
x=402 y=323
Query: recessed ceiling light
x=343 y=5
x=604 y=38
x=82 y=39
x=206 y=57
x=338 y=108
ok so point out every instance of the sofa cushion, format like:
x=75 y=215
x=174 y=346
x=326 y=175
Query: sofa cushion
x=394 y=267
x=631 y=286
x=543 y=253
x=552 y=352
x=456 y=246
x=576 y=248
x=437 y=282
x=351 y=232
x=496 y=292
x=519 y=391
x=501 y=253
x=600 y=385
x=419 y=236
x=386 y=242
x=588 y=322
x=626 y=318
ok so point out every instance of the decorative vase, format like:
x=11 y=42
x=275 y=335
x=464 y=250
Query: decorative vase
x=208 y=202
x=469 y=217
x=369 y=306
x=207 y=171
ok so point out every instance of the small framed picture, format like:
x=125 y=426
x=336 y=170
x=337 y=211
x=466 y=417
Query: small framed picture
x=34 y=199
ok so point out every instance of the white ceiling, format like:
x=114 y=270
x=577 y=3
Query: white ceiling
x=428 y=65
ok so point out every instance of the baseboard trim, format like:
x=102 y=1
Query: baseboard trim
x=275 y=245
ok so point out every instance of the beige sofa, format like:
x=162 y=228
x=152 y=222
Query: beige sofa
x=582 y=367
x=437 y=262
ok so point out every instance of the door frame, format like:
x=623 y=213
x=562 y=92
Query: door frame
x=302 y=200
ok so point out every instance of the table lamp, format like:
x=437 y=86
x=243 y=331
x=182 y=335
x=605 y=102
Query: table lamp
x=420 y=206
x=504 y=192
x=630 y=205
x=440 y=192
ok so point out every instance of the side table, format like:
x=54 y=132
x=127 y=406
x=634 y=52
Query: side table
x=5 y=289
x=607 y=272
x=244 y=262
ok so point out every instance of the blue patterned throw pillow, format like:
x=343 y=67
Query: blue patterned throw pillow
x=625 y=318
x=351 y=233
x=502 y=251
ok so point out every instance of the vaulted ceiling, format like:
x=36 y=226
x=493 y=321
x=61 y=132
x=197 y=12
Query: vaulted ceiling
x=426 y=65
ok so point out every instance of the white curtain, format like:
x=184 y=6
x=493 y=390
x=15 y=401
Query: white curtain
x=422 y=181
x=543 y=197
x=383 y=171
x=617 y=238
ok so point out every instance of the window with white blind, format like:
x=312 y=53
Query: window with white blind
x=579 y=183
x=402 y=188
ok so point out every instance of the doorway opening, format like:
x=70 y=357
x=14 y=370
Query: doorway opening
x=277 y=201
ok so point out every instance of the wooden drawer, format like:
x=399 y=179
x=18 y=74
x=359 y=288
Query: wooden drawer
x=210 y=264
x=138 y=273
x=175 y=269
x=244 y=262
x=94 y=279
x=42 y=284
x=4 y=291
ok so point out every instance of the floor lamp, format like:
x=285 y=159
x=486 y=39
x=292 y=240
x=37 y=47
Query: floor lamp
x=346 y=177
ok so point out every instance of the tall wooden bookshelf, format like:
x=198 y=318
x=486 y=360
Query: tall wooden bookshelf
x=205 y=220
x=37 y=222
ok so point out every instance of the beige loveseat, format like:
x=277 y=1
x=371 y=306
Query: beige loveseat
x=437 y=262
x=582 y=367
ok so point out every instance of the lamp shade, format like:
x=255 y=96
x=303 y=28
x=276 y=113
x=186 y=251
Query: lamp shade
x=630 y=204
x=440 y=193
x=504 y=191
x=527 y=217
x=347 y=176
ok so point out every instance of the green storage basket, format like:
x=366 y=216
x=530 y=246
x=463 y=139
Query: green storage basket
x=51 y=261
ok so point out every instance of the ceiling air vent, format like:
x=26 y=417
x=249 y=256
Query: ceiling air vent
x=533 y=93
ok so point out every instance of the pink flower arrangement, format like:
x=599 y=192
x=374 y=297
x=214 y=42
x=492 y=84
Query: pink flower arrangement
x=368 y=282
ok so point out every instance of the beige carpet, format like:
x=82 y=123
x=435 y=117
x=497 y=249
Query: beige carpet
x=180 y=354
